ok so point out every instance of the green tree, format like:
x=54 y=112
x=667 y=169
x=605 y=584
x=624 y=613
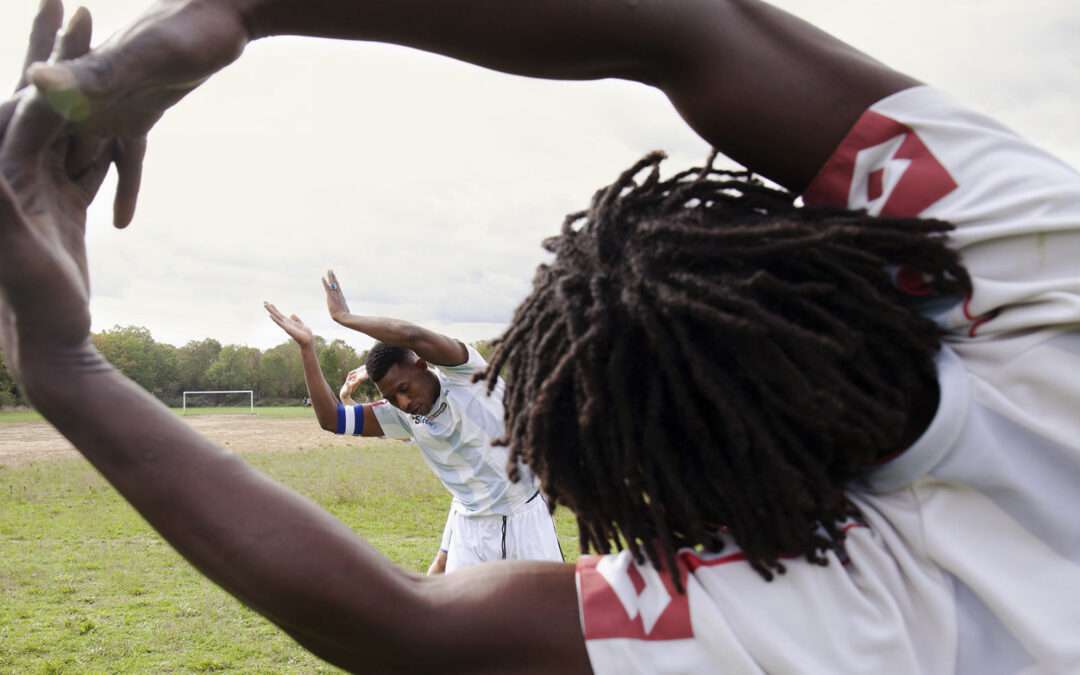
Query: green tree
x=167 y=386
x=336 y=360
x=193 y=360
x=236 y=367
x=134 y=352
x=281 y=372
x=9 y=390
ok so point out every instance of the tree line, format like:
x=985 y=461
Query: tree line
x=166 y=371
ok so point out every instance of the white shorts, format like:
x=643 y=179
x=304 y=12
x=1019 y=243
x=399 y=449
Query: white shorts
x=526 y=534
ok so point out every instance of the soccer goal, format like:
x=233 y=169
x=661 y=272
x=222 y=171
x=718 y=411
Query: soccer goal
x=234 y=394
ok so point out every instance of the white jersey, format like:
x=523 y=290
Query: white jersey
x=455 y=440
x=969 y=560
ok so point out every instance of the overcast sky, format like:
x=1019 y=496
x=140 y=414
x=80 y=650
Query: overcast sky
x=427 y=184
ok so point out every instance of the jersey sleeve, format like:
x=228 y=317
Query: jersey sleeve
x=390 y=420
x=635 y=622
x=1016 y=208
x=463 y=374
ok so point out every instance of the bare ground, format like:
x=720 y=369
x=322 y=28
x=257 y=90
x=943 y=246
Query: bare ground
x=26 y=442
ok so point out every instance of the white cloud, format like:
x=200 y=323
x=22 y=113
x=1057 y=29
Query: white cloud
x=428 y=184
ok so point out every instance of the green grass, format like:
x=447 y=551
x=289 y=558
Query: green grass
x=11 y=416
x=88 y=587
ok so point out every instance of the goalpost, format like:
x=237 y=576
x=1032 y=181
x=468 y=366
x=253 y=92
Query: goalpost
x=249 y=392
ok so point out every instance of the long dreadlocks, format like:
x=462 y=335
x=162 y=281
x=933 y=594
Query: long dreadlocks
x=704 y=356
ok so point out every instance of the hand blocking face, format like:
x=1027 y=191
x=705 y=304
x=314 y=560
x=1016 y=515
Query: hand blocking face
x=43 y=271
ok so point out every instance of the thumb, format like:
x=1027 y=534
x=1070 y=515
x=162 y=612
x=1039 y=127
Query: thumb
x=64 y=87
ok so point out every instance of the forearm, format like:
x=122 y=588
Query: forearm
x=384 y=329
x=541 y=38
x=322 y=396
x=730 y=67
x=260 y=541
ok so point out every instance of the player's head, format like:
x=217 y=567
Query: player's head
x=701 y=354
x=402 y=378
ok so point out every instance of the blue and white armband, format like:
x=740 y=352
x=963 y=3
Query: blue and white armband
x=350 y=419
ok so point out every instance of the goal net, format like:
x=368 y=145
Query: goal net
x=230 y=401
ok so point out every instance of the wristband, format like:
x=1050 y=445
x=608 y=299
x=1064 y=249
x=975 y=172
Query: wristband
x=350 y=420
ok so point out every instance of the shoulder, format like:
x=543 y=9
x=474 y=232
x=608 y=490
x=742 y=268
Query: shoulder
x=463 y=373
x=731 y=620
x=920 y=153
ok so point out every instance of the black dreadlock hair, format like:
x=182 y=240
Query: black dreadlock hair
x=705 y=356
x=382 y=357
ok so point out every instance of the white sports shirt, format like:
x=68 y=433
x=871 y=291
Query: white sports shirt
x=970 y=558
x=455 y=440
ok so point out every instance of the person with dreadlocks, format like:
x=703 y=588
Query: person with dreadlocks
x=831 y=437
x=426 y=379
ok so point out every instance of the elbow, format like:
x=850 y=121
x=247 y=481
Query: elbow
x=328 y=422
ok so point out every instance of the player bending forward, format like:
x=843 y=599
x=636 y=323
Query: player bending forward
x=453 y=421
x=755 y=396
x=354 y=379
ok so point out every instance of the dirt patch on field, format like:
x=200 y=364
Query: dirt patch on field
x=25 y=442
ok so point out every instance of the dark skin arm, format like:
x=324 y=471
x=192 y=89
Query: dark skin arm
x=322 y=397
x=433 y=347
x=763 y=87
x=273 y=549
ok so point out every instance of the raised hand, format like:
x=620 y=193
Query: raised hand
x=43 y=271
x=292 y=325
x=335 y=297
x=353 y=380
x=121 y=89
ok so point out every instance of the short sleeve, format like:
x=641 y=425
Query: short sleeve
x=390 y=420
x=1016 y=208
x=463 y=373
x=635 y=622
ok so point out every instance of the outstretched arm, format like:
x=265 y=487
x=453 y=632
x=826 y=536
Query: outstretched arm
x=433 y=347
x=271 y=548
x=762 y=86
x=322 y=397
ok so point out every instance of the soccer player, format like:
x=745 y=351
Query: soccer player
x=754 y=396
x=453 y=420
x=354 y=379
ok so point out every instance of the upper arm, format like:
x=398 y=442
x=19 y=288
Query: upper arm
x=505 y=617
x=766 y=88
x=371 y=423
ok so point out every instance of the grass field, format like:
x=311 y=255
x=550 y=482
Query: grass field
x=10 y=416
x=88 y=587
